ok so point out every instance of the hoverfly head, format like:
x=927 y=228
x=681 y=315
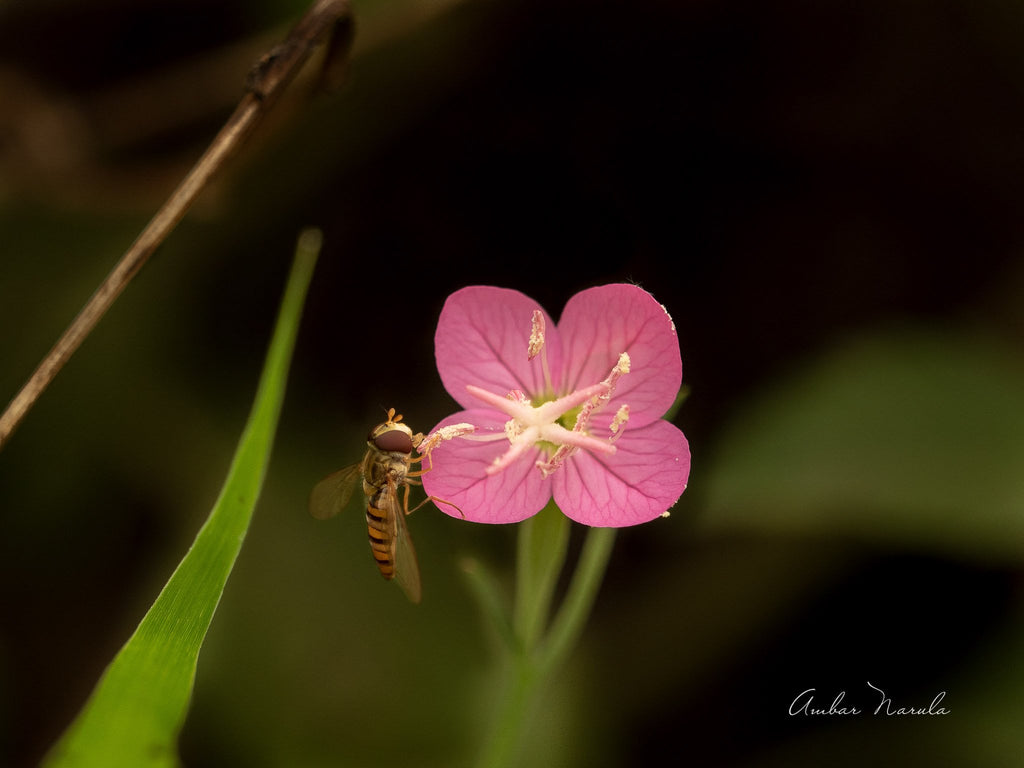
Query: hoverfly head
x=391 y=436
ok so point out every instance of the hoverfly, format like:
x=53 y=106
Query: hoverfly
x=384 y=470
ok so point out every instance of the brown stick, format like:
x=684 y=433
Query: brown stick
x=267 y=79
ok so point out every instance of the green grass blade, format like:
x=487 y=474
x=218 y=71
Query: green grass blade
x=137 y=709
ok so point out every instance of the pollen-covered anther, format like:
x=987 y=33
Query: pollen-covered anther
x=618 y=421
x=536 y=335
x=443 y=434
x=620 y=368
x=513 y=429
x=556 y=460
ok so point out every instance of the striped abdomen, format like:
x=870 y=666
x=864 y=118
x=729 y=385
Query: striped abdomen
x=381 y=524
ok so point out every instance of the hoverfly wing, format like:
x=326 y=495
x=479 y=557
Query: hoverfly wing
x=333 y=493
x=407 y=569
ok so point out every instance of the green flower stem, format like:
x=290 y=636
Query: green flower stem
x=540 y=556
x=568 y=624
x=517 y=702
x=533 y=660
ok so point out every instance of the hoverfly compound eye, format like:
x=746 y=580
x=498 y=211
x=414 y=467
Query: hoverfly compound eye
x=394 y=440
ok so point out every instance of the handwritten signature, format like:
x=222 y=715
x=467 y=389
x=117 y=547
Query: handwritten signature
x=804 y=704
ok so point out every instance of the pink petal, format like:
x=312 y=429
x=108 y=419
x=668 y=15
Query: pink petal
x=597 y=325
x=457 y=473
x=482 y=338
x=645 y=477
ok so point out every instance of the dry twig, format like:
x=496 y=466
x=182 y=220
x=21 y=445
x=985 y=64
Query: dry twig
x=326 y=20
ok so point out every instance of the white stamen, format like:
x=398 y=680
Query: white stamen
x=518 y=396
x=444 y=433
x=529 y=425
x=517 y=448
x=621 y=367
x=536 y=346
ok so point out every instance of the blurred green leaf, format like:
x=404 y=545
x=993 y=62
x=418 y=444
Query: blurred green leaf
x=989 y=698
x=136 y=711
x=909 y=436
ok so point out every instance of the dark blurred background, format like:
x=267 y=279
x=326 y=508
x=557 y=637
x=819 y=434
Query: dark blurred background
x=825 y=196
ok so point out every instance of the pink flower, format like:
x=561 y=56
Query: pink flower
x=572 y=411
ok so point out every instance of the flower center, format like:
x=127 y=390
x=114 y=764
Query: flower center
x=559 y=426
x=568 y=419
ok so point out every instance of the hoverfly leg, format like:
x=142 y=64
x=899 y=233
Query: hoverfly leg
x=437 y=501
x=451 y=504
x=423 y=470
